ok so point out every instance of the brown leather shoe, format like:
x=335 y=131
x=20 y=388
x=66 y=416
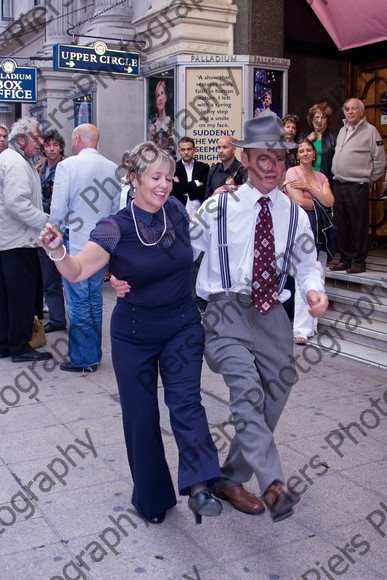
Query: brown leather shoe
x=241 y=499
x=356 y=269
x=279 y=500
x=339 y=267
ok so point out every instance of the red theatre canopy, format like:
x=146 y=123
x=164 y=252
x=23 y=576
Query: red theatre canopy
x=352 y=23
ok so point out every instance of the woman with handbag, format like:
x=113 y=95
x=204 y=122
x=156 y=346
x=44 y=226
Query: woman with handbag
x=310 y=189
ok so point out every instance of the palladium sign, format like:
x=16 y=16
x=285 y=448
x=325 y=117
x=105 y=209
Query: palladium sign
x=17 y=84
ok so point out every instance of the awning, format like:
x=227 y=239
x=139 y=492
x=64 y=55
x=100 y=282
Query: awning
x=352 y=23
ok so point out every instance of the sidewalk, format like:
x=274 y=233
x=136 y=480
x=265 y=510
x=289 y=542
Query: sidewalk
x=78 y=508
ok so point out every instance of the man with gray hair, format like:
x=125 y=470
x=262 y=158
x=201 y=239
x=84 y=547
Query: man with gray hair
x=21 y=219
x=359 y=160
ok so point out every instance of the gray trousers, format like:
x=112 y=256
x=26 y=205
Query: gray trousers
x=254 y=353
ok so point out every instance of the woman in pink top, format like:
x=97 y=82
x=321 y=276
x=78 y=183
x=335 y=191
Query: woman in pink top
x=303 y=184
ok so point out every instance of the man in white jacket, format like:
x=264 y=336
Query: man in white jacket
x=21 y=219
x=87 y=188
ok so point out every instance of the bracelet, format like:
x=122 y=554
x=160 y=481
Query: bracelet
x=58 y=259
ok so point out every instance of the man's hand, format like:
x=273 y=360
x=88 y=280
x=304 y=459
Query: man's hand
x=318 y=302
x=120 y=286
x=176 y=179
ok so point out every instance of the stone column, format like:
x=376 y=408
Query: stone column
x=58 y=16
x=111 y=20
x=170 y=28
x=259 y=28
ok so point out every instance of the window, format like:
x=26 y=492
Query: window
x=7 y=9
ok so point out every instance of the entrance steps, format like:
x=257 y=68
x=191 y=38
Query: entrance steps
x=355 y=324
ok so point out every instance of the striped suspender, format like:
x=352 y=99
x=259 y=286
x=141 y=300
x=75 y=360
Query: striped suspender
x=222 y=242
x=223 y=249
x=289 y=246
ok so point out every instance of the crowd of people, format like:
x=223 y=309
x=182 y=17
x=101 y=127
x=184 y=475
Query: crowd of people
x=206 y=283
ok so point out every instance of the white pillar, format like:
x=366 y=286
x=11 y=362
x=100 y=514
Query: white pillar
x=58 y=16
x=111 y=20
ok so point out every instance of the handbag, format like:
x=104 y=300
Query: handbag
x=324 y=229
x=38 y=337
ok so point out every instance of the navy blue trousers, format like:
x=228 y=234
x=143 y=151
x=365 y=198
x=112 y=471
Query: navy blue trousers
x=169 y=340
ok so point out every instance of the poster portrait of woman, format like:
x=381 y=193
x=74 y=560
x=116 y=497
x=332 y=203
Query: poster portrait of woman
x=268 y=92
x=83 y=109
x=160 y=106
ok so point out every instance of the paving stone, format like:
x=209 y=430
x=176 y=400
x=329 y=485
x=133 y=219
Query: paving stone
x=33 y=564
x=333 y=507
x=292 y=560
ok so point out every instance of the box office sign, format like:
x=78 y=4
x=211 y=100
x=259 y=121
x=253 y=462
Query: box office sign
x=213 y=106
x=17 y=84
x=97 y=59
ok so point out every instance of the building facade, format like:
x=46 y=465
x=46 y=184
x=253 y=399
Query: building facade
x=156 y=30
x=254 y=44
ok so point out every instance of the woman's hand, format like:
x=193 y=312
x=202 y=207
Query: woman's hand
x=50 y=239
x=312 y=136
x=225 y=189
x=120 y=286
x=299 y=184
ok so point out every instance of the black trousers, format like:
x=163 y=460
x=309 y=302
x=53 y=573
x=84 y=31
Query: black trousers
x=352 y=220
x=168 y=339
x=19 y=272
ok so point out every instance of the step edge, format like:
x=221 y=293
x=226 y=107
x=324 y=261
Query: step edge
x=354 y=357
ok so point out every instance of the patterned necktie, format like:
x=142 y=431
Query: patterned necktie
x=264 y=287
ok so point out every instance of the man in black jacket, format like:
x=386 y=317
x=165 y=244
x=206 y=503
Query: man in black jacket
x=189 y=187
x=228 y=171
x=190 y=176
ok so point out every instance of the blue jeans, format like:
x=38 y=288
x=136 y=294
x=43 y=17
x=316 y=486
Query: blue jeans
x=84 y=308
x=52 y=289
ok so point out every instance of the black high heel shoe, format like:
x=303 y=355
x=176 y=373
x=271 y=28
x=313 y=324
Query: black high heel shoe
x=157 y=519
x=203 y=504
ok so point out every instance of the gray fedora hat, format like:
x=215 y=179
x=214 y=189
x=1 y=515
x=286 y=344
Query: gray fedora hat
x=265 y=132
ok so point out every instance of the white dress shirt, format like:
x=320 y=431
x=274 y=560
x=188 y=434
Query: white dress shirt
x=242 y=213
x=192 y=205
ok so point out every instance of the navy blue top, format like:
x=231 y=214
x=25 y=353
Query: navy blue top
x=158 y=275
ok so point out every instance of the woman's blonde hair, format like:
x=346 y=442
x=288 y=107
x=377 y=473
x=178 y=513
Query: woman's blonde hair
x=146 y=154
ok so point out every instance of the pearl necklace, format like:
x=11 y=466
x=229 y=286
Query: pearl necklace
x=138 y=233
